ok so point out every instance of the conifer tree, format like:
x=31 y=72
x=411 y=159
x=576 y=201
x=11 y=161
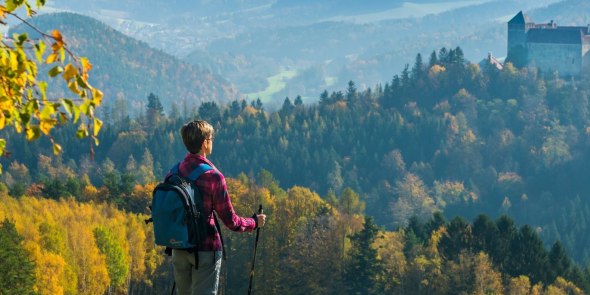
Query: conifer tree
x=18 y=272
x=559 y=262
x=362 y=268
x=154 y=111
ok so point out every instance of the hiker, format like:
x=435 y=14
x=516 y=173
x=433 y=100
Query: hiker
x=204 y=277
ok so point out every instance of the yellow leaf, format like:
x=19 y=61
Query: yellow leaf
x=69 y=72
x=2 y=121
x=46 y=125
x=82 y=131
x=11 y=6
x=97 y=96
x=43 y=90
x=30 y=11
x=51 y=58
x=2 y=146
x=33 y=132
x=73 y=86
x=97 y=124
x=14 y=61
x=85 y=107
x=47 y=112
x=18 y=127
x=86 y=65
x=56 y=149
x=62 y=54
x=39 y=50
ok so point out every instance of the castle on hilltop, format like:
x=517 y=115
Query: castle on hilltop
x=548 y=47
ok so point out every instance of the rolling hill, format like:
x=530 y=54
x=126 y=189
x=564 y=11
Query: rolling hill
x=318 y=45
x=129 y=69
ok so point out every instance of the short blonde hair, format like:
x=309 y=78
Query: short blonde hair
x=194 y=134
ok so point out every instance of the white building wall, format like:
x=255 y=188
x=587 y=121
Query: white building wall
x=567 y=59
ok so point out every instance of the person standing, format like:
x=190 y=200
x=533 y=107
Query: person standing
x=192 y=279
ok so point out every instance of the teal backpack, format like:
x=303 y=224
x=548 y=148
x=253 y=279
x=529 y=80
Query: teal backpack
x=177 y=211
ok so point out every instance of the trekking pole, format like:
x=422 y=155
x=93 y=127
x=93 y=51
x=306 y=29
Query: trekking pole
x=254 y=258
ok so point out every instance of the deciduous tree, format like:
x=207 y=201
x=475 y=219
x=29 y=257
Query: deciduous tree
x=24 y=104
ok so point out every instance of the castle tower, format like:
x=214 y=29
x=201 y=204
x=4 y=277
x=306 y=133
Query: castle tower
x=517 y=29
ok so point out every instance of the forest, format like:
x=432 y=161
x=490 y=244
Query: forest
x=368 y=191
x=68 y=246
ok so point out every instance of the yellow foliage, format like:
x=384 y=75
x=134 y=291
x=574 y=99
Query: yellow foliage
x=51 y=274
x=236 y=188
x=435 y=70
x=58 y=235
x=519 y=286
x=90 y=192
x=562 y=286
x=390 y=252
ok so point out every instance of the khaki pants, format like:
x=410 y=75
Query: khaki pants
x=191 y=281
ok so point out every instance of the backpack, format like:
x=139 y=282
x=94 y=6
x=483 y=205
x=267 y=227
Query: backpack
x=177 y=211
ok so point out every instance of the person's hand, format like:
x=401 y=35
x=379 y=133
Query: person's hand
x=261 y=219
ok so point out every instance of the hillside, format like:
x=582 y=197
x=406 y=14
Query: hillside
x=69 y=246
x=365 y=46
x=444 y=135
x=320 y=44
x=128 y=69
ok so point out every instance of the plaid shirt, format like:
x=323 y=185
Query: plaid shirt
x=213 y=189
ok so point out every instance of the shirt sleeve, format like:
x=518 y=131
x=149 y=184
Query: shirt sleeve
x=224 y=208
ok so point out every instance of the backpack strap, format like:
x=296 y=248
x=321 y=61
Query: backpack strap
x=196 y=173
x=202 y=168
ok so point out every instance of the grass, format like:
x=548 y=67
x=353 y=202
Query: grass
x=276 y=83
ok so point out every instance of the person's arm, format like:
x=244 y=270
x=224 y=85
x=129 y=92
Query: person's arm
x=225 y=210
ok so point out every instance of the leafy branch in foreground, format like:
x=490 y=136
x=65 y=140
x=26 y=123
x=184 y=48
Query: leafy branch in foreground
x=24 y=104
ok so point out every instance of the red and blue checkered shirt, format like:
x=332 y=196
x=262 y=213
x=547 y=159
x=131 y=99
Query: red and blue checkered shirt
x=213 y=189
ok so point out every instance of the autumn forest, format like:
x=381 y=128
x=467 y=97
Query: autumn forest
x=451 y=178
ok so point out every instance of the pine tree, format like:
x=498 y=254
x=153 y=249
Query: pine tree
x=433 y=59
x=18 y=272
x=210 y=112
x=529 y=256
x=485 y=234
x=418 y=68
x=559 y=262
x=154 y=112
x=360 y=273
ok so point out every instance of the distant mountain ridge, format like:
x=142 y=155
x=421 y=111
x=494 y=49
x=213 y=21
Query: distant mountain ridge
x=126 y=68
x=317 y=45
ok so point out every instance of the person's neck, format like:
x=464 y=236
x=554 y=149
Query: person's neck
x=202 y=154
